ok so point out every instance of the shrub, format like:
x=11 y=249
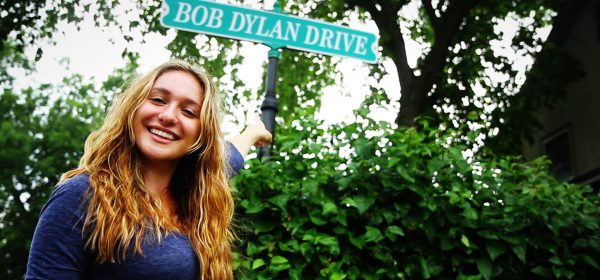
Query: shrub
x=373 y=202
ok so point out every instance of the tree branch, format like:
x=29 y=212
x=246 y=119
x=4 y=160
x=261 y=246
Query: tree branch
x=449 y=27
x=412 y=102
x=391 y=37
x=430 y=11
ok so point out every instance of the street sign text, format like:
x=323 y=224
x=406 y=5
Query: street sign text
x=270 y=28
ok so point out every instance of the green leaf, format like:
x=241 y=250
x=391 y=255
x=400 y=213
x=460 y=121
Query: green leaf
x=296 y=272
x=485 y=268
x=590 y=261
x=363 y=148
x=559 y=272
x=358 y=241
x=342 y=218
x=288 y=145
x=373 y=234
x=435 y=165
x=555 y=260
x=489 y=235
x=470 y=213
x=309 y=235
x=253 y=208
x=392 y=231
x=520 y=252
x=264 y=225
x=257 y=263
x=315 y=217
x=405 y=174
x=389 y=216
x=393 y=161
x=360 y=202
x=424 y=268
x=299 y=165
x=251 y=249
x=310 y=186
x=327 y=240
x=289 y=246
x=330 y=242
x=280 y=200
x=278 y=260
x=473 y=115
x=338 y=276
x=279 y=263
x=315 y=148
x=465 y=240
x=495 y=250
x=305 y=248
x=329 y=207
x=447 y=243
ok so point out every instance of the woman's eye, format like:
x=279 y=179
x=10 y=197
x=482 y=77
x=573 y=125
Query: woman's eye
x=189 y=113
x=157 y=100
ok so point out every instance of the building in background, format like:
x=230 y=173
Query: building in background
x=571 y=133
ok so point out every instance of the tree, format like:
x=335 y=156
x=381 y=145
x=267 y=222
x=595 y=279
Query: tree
x=25 y=22
x=460 y=78
x=548 y=75
x=456 y=80
x=43 y=132
x=363 y=200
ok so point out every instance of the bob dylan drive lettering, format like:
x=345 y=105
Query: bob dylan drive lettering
x=301 y=34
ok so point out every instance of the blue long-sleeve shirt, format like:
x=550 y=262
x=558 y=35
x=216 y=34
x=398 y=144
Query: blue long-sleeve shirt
x=58 y=247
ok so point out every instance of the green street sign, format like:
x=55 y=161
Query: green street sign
x=270 y=28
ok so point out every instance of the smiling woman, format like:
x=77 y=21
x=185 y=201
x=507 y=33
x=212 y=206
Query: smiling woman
x=150 y=198
x=167 y=123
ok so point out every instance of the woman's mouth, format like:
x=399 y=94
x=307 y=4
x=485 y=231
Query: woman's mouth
x=162 y=134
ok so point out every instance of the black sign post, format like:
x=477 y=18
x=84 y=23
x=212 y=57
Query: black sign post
x=270 y=104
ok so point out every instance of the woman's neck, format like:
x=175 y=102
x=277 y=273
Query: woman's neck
x=157 y=176
x=157 y=179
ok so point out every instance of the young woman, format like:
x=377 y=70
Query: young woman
x=150 y=198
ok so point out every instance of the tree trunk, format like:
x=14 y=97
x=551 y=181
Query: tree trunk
x=414 y=89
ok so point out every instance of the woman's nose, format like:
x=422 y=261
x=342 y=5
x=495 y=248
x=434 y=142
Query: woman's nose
x=168 y=116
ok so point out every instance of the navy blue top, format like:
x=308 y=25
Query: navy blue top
x=58 y=247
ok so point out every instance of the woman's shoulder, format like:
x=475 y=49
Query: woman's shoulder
x=57 y=247
x=78 y=182
x=236 y=160
x=72 y=191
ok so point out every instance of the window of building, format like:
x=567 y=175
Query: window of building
x=557 y=148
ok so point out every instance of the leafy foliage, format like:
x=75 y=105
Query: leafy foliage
x=373 y=202
x=24 y=22
x=364 y=200
x=43 y=132
x=456 y=79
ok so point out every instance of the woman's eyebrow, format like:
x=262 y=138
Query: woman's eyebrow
x=167 y=92
x=161 y=89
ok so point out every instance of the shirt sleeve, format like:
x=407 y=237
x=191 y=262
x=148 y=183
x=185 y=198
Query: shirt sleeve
x=236 y=161
x=57 y=249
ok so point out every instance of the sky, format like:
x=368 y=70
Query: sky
x=95 y=53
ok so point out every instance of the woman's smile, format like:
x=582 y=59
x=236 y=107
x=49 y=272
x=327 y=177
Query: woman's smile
x=163 y=133
x=166 y=125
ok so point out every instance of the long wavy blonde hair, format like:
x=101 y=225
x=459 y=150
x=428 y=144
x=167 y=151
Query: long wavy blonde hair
x=122 y=211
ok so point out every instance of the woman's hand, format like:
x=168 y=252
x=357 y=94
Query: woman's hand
x=258 y=133
x=254 y=135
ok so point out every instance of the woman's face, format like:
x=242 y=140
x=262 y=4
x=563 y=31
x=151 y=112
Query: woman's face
x=167 y=124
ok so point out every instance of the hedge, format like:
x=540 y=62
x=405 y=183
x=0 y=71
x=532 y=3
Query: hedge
x=372 y=202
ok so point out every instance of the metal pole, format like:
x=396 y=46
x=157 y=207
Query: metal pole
x=269 y=106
